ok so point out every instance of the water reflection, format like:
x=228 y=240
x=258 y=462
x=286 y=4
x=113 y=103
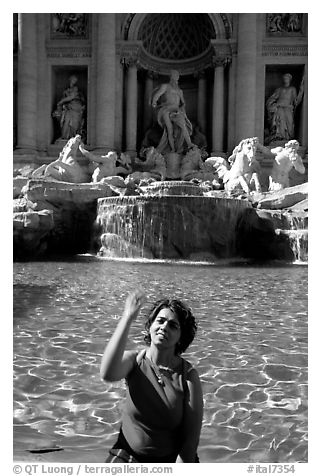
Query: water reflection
x=250 y=351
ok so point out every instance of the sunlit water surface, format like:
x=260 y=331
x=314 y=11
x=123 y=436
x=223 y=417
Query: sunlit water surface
x=250 y=352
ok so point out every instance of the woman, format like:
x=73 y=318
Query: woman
x=162 y=416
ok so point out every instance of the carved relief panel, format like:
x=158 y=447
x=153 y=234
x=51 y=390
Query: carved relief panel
x=69 y=25
x=284 y=24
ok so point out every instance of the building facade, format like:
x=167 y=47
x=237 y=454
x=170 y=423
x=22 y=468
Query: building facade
x=229 y=65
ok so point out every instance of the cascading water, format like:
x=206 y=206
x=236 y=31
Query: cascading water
x=293 y=227
x=298 y=237
x=172 y=220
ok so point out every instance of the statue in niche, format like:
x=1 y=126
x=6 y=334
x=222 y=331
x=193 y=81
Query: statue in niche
x=281 y=107
x=70 y=24
x=70 y=110
x=171 y=116
x=285 y=159
x=66 y=168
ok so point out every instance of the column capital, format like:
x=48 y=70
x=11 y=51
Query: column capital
x=151 y=74
x=129 y=61
x=221 y=61
x=129 y=52
x=200 y=74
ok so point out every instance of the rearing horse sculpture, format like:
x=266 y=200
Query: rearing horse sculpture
x=245 y=169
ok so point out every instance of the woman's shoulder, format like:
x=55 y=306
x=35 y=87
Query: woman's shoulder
x=130 y=357
x=134 y=356
x=188 y=368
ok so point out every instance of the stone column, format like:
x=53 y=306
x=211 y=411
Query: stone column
x=106 y=82
x=27 y=84
x=201 y=101
x=119 y=103
x=246 y=76
x=218 y=107
x=44 y=113
x=148 y=113
x=131 y=107
x=231 y=105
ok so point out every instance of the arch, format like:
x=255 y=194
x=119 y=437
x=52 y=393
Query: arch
x=176 y=36
x=133 y=21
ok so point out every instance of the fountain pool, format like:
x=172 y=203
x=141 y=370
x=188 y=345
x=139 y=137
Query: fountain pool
x=250 y=351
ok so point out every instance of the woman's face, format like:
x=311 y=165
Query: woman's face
x=165 y=329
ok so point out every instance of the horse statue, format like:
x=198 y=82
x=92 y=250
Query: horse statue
x=245 y=169
x=241 y=171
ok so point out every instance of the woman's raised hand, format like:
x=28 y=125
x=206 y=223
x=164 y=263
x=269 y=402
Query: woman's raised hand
x=134 y=302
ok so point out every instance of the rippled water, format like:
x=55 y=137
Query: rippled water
x=250 y=351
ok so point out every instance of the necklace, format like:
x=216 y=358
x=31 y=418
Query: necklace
x=157 y=369
x=167 y=369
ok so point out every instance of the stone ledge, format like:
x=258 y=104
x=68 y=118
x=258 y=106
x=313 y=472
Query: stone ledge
x=286 y=198
x=33 y=220
x=55 y=191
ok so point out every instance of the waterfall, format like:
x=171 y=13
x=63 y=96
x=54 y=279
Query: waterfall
x=166 y=226
x=299 y=245
x=298 y=236
x=295 y=232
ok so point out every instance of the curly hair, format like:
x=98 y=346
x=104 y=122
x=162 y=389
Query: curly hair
x=185 y=317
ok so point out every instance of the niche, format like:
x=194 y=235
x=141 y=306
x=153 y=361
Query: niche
x=273 y=81
x=70 y=116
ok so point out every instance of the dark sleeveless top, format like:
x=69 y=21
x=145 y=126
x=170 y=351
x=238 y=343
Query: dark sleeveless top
x=153 y=411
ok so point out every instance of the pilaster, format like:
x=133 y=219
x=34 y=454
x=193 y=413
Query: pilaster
x=246 y=76
x=27 y=84
x=131 y=108
x=201 y=101
x=106 y=82
x=130 y=53
x=148 y=113
x=218 y=105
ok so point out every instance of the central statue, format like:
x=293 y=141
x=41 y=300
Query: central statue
x=171 y=116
